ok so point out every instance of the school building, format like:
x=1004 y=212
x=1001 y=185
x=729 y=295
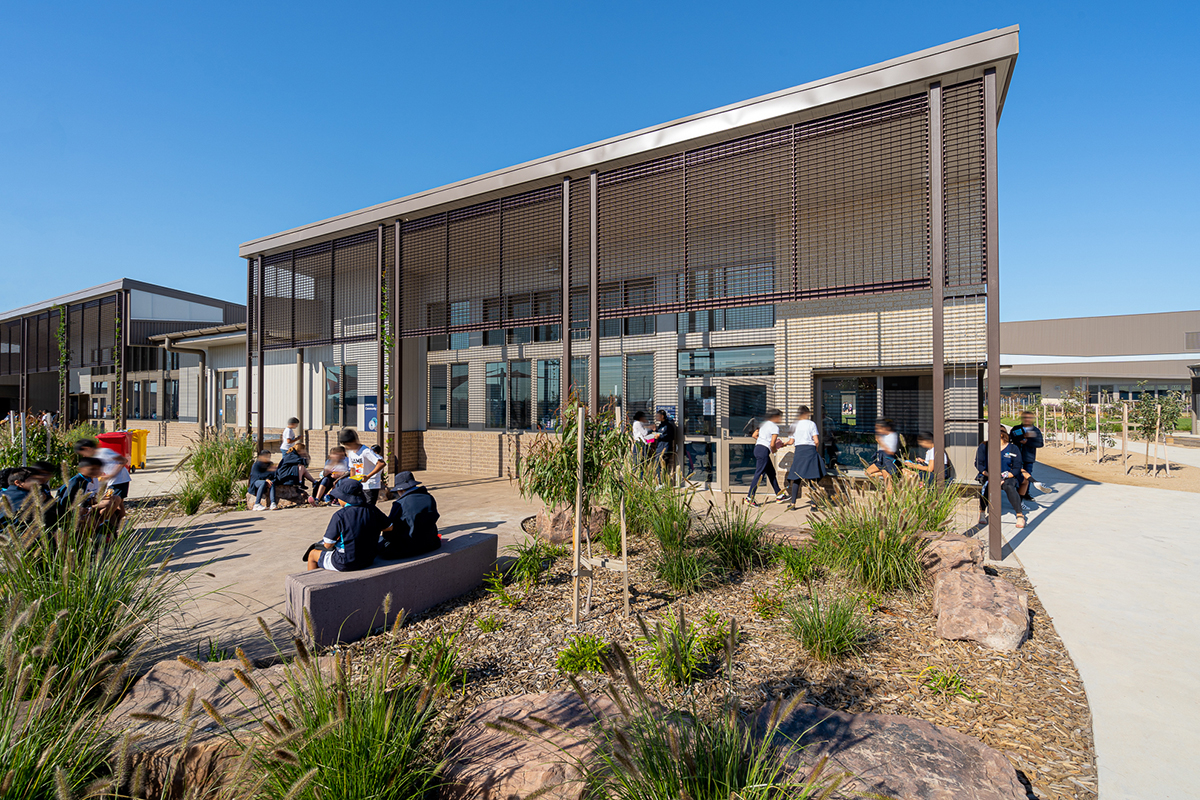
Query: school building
x=92 y=355
x=833 y=244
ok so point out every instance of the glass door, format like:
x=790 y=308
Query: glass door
x=698 y=425
x=745 y=402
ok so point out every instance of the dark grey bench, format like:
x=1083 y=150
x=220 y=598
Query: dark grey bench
x=346 y=606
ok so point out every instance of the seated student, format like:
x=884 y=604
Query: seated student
x=19 y=492
x=262 y=479
x=114 y=477
x=413 y=520
x=1011 y=477
x=335 y=469
x=887 y=442
x=293 y=467
x=81 y=494
x=353 y=534
x=926 y=464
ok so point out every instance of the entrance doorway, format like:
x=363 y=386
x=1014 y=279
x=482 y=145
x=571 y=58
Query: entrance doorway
x=717 y=451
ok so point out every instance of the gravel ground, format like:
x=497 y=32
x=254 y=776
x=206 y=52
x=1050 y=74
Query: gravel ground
x=1029 y=704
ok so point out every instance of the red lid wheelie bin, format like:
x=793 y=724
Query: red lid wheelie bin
x=120 y=442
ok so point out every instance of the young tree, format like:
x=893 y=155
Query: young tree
x=1150 y=415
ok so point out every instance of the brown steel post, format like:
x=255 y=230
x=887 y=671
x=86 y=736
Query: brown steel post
x=380 y=357
x=395 y=308
x=258 y=337
x=593 y=300
x=937 y=277
x=300 y=392
x=251 y=321
x=576 y=535
x=121 y=314
x=995 y=547
x=23 y=392
x=564 y=372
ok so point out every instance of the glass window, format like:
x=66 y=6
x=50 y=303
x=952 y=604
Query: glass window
x=745 y=403
x=436 y=317
x=459 y=403
x=579 y=378
x=700 y=411
x=545 y=304
x=849 y=408
x=519 y=307
x=549 y=390
x=579 y=314
x=493 y=311
x=333 y=395
x=231 y=380
x=152 y=399
x=171 y=400
x=350 y=395
x=136 y=411
x=519 y=395
x=639 y=382
x=700 y=461
x=438 y=400
x=610 y=381
x=494 y=394
x=729 y=362
x=460 y=314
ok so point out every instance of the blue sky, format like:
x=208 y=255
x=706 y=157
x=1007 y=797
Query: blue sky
x=149 y=140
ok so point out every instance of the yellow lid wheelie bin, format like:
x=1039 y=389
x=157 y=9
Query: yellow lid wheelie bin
x=137 y=458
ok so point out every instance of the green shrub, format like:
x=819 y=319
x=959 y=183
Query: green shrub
x=674 y=651
x=682 y=570
x=61 y=448
x=489 y=624
x=436 y=658
x=947 y=684
x=672 y=520
x=719 y=638
x=583 y=653
x=364 y=727
x=494 y=583
x=642 y=500
x=216 y=465
x=531 y=558
x=830 y=631
x=767 y=605
x=799 y=564
x=872 y=534
x=610 y=538
x=190 y=496
x=736 y=535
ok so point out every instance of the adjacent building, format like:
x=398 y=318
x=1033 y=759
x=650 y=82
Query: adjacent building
x=89 y=355
x=832 y=245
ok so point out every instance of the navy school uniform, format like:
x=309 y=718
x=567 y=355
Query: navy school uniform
x=355 y=530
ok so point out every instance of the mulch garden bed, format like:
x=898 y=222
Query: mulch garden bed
x=1029 y=704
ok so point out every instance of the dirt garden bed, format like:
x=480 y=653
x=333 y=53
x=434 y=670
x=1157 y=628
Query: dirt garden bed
x=1030 y=704
x=1184 y=477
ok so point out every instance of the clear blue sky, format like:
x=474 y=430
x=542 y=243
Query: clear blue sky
x=149 y=140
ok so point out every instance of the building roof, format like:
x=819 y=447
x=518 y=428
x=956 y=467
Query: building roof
x=109 y=288
x=950 y=63
x=216 y=335
x=1170 y=334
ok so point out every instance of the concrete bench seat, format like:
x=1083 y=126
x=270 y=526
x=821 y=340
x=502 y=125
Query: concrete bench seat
x=346 y=606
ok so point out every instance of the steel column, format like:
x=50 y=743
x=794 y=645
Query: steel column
x=23 y=392
x=593 y=299
x=380 y=358
x=937 y=276
x=120 y=346
x=395 y=310
x=251 y=299
x=564 y=372
x=260 y=379
x=995 y=547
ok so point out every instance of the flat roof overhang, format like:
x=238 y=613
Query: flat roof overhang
x=950 y=63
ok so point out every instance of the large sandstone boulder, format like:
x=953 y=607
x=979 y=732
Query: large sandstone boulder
x=163 y=692
x=896 y=757
x=981 y=608
x=557 y=526
x=487 y=764
x=946 y=552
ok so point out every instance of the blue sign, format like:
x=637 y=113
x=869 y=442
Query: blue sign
x=370 y=413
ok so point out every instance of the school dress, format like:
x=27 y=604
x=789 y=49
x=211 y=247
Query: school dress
x=806 y=461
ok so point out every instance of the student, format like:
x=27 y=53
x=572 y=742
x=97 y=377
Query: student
x=1011 y=477
x=115 y=475
x=413 y=520
x=82 y=495
x=887 y=442
x=47 y=420
x=20 y=490
x=1028 y=438
x=364 y=464
x=291 y=435
x=641 y=435
x=766 y=442
x=293 y=467
x=926 y=464
x=352 y=537
x=664 y=443
x=806 y=460
x=335 y=469
x=262 y=479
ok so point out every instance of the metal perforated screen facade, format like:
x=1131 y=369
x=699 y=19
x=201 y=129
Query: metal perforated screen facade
x=91 y=338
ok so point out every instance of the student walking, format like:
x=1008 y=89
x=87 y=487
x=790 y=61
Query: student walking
x=641 y=436
x=1028 y=439
x=887 y=443
x=766 y=442
x=806 y=460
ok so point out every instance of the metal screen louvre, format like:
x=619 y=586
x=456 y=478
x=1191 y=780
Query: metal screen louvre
x=473 y=255
x=75 y=331
x=862 y=200
x=10 y=361
x=312 y=298
x=739 y=218
x=277 y=313
x=580 y=237
x=963 y=158
x=423 y=261
x=251 y=299
x=355 y=287
x=108 y=330
x=640 y=237
x=531 y=262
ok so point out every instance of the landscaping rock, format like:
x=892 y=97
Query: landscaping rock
x=287 y=496
x=557 y=526
x=487 y=764
x=981 y=608
x=163 y=691
x=897 y=757
x=947 y=552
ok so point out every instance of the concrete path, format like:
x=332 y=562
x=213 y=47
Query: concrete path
x=158 y=478
x=1115 y=567
x=240 y=559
